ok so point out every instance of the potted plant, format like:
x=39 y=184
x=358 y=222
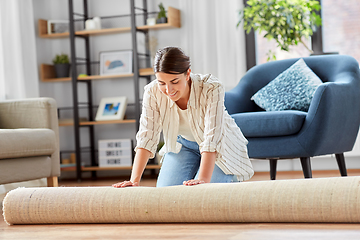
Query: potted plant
x=285 y=21
x=62 y=65
x=161 y=18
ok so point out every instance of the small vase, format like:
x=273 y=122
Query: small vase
x=62 y=70
x=161 y=20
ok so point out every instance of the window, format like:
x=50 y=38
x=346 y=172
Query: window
x=341 y=27
x=263 y=45
x=340 y=34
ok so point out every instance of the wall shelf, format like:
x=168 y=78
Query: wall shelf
x=47 y=74
x=70 y=122
x=90 y=169
x=173 y=22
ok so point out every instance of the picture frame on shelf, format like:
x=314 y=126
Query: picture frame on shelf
x=57 y=26
x=116 y=62
x=112 y=108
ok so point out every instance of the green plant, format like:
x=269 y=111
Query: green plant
x=285 y=21
x=61 y=59
x=162 y=12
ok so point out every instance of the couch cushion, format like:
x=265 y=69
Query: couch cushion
x=270 y=124
x=293 y=89
x=23 y=142
x=24 y=169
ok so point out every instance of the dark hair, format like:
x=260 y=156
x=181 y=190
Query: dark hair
x=171 y=60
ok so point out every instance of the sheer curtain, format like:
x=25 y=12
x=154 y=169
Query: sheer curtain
x=18 y=67
x=213 y=42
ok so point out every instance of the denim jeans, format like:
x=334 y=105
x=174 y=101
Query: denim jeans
x=183 y=166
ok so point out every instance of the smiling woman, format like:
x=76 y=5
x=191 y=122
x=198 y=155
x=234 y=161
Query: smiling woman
x=203 y=144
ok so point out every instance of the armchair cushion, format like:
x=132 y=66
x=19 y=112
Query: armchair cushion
x=19 y=143
x=270 y=124
x=293 y=89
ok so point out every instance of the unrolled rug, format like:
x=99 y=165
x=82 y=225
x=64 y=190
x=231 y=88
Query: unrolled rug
x=304 y=200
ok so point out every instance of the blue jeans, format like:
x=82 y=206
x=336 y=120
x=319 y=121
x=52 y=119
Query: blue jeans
x=179 y=167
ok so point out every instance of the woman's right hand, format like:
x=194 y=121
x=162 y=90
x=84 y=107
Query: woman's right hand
x=125 y=184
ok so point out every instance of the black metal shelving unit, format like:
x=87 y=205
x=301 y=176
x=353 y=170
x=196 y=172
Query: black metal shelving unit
x=75 y=61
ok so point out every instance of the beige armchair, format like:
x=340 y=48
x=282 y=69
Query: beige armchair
x=29 y=141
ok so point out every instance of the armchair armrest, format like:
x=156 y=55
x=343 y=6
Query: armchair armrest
x=32 y=113
x=334 y=115
x=238 y=99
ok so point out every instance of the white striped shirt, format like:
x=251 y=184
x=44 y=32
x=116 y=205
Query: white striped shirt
x=211 y=125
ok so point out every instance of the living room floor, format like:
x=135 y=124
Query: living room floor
x=249 y=231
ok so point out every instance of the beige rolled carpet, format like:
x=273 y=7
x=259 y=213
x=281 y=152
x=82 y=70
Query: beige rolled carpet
x=304 y=200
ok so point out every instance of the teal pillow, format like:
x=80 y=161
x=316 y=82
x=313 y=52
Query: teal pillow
x=293 y=89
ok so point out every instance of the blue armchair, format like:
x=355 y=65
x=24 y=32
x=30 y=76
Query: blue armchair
x=329 y=127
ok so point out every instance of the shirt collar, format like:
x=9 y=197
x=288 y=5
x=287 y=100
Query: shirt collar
x=192 y=98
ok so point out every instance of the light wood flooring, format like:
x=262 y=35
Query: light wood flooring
x=231 y=231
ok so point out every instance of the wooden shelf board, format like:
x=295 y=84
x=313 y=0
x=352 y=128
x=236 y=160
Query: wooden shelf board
x=56 y=79
x=55 y=35
x=87 y=169
x=47 y=74
x=107 y=31
x=103 y=31
x=108 y=122
x=86 y=123
x=146 y=72
x=173 y=22
x=157 y=26
x=117 y=168
x=98 y=77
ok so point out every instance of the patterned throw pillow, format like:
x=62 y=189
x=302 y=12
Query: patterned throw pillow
x=293 y=89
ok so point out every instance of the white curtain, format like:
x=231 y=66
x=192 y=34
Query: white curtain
x=18 y=67
x=213 y=42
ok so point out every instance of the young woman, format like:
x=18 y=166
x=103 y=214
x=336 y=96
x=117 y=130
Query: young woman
x=203 y=144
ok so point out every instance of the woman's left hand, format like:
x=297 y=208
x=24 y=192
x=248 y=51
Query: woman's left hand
x=193 y=182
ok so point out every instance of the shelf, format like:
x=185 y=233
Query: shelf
x=173 y=22
x=102 y=31
x=47 y=74
x=118 y=168
x=43 y=33
x=70 y=122
x=146 y=72
x=107 y=122
x=99 y=77
x=88 y=169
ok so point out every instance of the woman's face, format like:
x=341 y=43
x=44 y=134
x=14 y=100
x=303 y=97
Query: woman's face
x=174 y=86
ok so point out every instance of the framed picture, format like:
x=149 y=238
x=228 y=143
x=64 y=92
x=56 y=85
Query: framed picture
x=111 y=109
x=116 y=62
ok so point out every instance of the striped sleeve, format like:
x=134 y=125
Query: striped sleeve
x=214 y=117
x=150 y=125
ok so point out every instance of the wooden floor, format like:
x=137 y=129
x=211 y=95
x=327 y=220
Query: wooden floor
x=232 y=231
